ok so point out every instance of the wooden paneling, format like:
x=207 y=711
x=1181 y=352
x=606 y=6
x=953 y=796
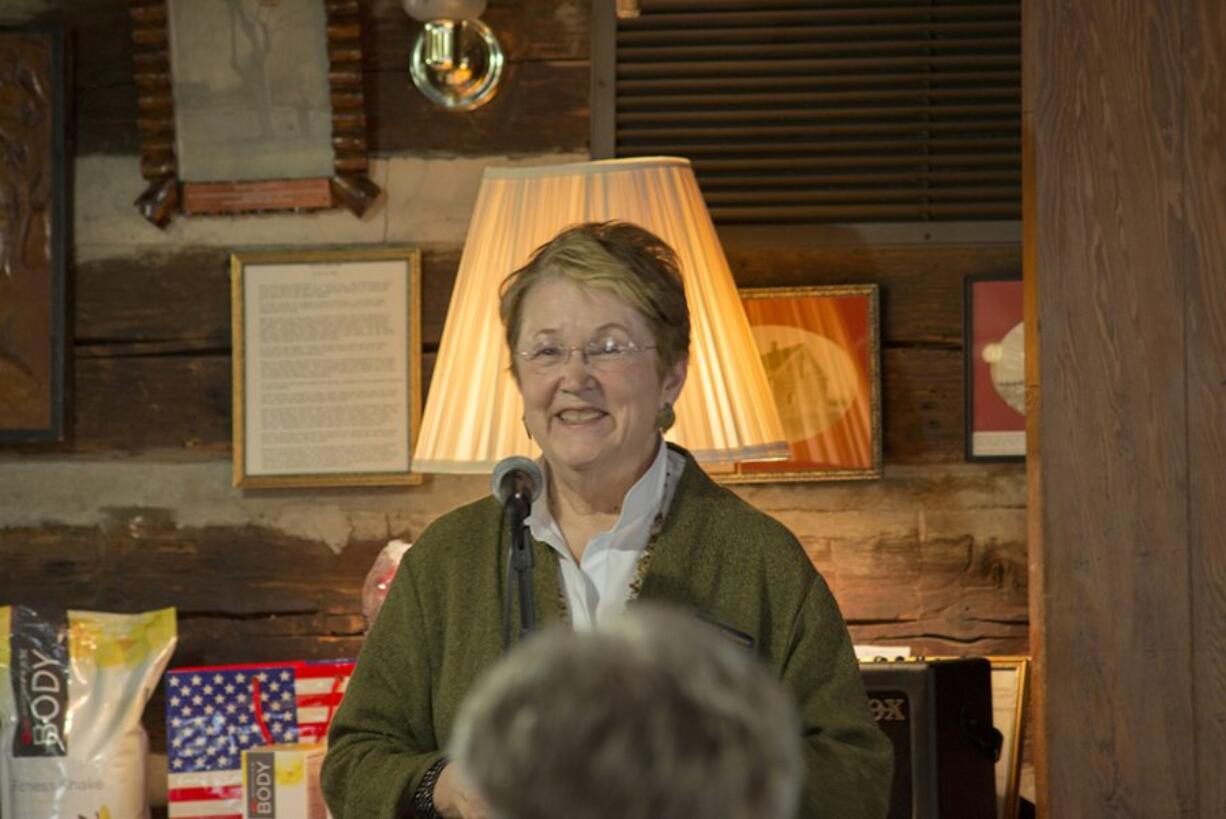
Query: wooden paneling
x=1204 y=173
x=140 y=559
x=153 y=368
x=921 y=285
x=527 y=30
x=184 y=296
x=542 y=105
x=921 y=405
x=243 y=594
x=1110 y=533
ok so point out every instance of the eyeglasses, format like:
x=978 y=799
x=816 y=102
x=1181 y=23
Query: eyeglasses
x=606 y=353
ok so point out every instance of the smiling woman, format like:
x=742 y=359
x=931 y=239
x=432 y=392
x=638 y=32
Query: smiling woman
x=598 y=328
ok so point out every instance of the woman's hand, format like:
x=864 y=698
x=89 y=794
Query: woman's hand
x=454 y=801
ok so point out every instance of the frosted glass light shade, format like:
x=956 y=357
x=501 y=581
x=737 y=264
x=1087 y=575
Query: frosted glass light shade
x=473 y=414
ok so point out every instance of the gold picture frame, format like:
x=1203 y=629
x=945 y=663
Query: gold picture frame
x=821 y=348
x=326 y=366
x=1010 y=689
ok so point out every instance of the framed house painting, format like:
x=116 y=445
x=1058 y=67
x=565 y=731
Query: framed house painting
x=820 y=347
x=33 y=235
x=995 y=345
x=327 y=366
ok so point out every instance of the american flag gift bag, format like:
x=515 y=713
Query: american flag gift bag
x=214 y=713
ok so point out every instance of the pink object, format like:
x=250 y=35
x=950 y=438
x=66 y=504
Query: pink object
x=379 y=578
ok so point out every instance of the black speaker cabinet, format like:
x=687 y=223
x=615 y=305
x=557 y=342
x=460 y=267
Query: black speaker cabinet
x=938 y=714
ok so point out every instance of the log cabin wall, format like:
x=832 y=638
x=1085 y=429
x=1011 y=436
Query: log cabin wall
x=136 y=509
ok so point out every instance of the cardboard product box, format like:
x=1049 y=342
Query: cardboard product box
x=282 y=782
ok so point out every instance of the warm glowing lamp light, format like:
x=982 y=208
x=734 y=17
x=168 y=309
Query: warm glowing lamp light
x=473 y=415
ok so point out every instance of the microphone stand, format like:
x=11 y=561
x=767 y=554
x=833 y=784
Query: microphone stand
x=521 y=563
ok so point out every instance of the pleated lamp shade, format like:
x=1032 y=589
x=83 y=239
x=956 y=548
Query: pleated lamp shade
x=473 y=414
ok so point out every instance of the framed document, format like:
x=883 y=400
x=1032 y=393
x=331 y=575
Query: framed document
x=994 y=344
x=820 y=347
x=33 y=235
x=327 y=366
x=250 y=105
x=1010 y=676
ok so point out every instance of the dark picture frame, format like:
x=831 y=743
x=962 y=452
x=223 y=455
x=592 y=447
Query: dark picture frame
x=993 y=346
x=821 y=349
x=326 y=366
x=34 y=236
x=337 y=30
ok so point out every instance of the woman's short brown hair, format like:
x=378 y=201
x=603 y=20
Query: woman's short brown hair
x=631 y=262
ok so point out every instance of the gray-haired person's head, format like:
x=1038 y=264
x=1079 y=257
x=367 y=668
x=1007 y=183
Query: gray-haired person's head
x=621 y=258
x=657 y=716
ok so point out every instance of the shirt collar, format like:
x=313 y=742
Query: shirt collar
x=642 y=500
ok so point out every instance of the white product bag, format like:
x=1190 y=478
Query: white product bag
x=73 y=685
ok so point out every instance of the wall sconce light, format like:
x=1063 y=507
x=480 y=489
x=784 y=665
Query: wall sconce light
x=456 y=61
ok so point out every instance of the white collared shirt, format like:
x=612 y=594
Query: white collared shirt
x=597 y=587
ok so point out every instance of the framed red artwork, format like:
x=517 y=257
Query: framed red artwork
x=994 y=344
x=820 y=347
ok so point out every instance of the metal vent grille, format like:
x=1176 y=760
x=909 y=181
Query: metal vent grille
x=823 y=111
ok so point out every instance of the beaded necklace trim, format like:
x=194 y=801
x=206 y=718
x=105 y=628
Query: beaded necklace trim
x=672 y=473
x=674 y=465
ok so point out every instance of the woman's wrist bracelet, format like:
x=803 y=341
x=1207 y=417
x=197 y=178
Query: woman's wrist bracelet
x=423 y=797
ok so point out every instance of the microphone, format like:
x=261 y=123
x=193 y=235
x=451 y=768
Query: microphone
x=516 y=483
x=517 y=476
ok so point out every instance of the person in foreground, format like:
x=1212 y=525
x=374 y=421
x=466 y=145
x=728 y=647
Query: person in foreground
x=599 y=334
x=655 y=716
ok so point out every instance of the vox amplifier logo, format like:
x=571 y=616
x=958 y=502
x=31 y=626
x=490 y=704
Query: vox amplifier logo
x=39 y=670
x=888 y=709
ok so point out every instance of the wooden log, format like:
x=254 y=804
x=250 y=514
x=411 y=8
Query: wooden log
x=174 y=398
x=543 y=99
x=527 y=31
x=154 y=395
x=540 y=107
x=922 y=405
x=921 y=285
x=185 y=295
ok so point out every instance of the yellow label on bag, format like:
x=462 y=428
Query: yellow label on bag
x=109 y=640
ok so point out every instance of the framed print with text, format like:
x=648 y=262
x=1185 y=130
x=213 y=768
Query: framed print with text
x=820 y=347
x=327 y=366
x=995 y=345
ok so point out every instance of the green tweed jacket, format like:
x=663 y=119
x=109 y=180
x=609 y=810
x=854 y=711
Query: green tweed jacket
x=440 y=627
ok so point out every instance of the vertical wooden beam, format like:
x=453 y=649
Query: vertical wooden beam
x=1109 y=528
x=603 y=125
x=1205 y=258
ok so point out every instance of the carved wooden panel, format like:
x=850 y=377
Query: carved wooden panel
x=32 y=235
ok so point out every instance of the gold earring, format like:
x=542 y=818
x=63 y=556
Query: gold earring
x=665 y=417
